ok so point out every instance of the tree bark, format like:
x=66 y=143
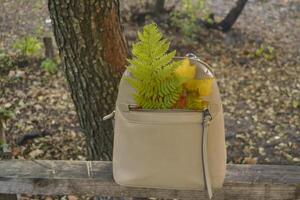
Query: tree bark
x=93 y=50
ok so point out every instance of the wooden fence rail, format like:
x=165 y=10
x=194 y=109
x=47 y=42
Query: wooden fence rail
x=46 y=177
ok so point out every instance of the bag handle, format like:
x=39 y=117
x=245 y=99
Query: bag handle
x=208 y=69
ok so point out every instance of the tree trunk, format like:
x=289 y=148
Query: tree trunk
x=232 y=16
x=93 y=51
x=8 y=197
x=5 y=154
x=49 y=49
x=159 y=6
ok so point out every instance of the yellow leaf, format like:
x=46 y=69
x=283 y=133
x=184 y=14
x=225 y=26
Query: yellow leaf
x=202 y=86
x=186 y=70
x=195 y=88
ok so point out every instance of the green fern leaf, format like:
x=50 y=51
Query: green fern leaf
x=153 y=71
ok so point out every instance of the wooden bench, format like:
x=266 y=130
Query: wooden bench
x=95 y=178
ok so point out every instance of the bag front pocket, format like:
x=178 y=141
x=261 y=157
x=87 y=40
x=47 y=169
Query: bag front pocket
x=158 y=149
x=168 y=116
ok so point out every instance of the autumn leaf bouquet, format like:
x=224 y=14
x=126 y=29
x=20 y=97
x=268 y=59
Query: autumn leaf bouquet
x=160 y=81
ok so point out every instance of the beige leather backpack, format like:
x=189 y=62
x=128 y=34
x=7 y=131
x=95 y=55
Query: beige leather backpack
x=169 y=149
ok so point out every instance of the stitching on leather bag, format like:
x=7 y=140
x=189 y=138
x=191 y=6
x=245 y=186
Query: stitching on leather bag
x=159 y=123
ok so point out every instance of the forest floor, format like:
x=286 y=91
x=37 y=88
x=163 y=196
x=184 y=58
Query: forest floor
x=260 y=88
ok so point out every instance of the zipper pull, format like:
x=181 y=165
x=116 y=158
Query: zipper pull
x=133 y=107
x=109 y=116
x=207 y=69
x=206 y=117
x=127 y=107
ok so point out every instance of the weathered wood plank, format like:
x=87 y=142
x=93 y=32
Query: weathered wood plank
x=255 y=182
